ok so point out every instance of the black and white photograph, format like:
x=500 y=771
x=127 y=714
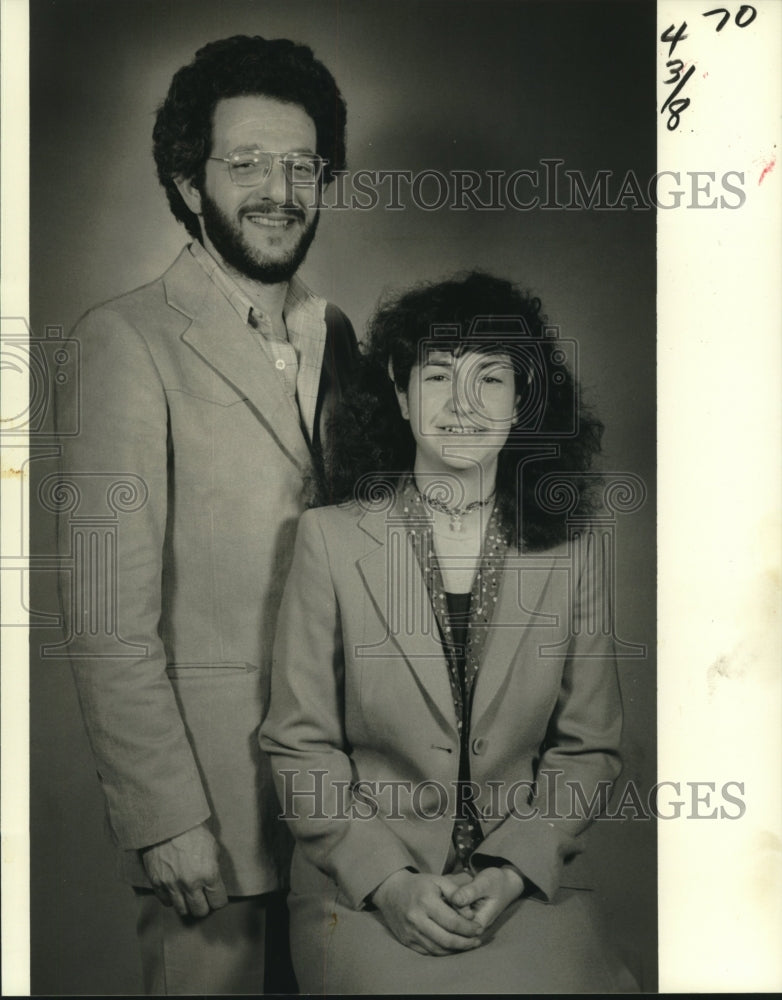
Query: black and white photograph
x=353 y=348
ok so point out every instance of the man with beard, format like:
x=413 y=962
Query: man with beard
x=205 y=397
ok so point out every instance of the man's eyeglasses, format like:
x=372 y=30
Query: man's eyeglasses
x=252 y=166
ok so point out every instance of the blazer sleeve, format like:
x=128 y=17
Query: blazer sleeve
x=304 y=731
x=580 y=755
x=143 y=757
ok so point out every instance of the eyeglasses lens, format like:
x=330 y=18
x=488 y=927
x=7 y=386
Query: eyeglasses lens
x=253 y=168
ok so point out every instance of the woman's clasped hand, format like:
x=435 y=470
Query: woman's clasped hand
x=440 y=914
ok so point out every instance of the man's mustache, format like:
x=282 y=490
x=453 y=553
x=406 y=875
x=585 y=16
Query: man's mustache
x=270 y=208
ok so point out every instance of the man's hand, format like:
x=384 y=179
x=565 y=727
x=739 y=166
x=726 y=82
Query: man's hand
x=416 y=908
x=185 y=874
x=488 y=894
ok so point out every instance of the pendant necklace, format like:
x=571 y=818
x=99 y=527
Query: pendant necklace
x=457 y=513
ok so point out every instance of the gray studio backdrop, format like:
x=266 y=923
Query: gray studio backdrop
x=430 y=85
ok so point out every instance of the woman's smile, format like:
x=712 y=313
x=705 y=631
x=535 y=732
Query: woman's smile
x=465 y=396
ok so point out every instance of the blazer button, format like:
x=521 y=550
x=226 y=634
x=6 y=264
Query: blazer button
x=479 y=745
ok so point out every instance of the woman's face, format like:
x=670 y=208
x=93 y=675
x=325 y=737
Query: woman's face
x=460 y=409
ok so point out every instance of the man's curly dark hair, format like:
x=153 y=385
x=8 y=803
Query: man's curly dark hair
x=235 y=67
x=372 y=442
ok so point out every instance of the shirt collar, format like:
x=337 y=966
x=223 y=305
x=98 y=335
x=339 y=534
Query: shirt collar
x=301 y=309
x=239 y=300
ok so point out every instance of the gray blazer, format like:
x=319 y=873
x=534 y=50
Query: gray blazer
x=360 y=696
x=175 y=393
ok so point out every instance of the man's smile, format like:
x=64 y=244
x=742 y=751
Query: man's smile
x=271 y=218
x=271 y=221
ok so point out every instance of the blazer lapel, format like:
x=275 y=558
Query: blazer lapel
x=517 y=622
x=219 y=337
x=393 y=577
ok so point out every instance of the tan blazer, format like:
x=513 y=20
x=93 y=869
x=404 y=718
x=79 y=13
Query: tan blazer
x=177 y=397
x=360 y=696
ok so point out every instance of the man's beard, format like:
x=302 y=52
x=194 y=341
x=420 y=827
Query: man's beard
x=228 y=240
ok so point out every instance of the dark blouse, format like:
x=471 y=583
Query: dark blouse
x=467 y=832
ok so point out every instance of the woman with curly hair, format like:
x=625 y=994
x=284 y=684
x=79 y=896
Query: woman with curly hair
x=445 y=713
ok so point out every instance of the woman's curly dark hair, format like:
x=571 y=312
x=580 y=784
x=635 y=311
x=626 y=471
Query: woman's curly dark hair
x=470 y=312
x=235 y=67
